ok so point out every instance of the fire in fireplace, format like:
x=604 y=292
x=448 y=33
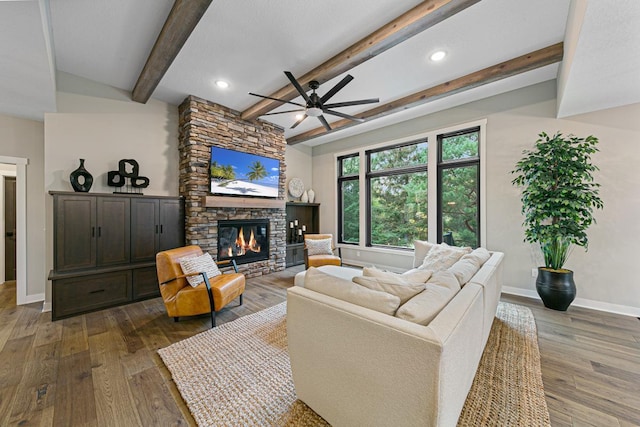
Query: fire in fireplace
x=243 y=240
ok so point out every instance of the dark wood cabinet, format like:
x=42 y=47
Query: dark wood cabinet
x=105 y=247
x=307 y=214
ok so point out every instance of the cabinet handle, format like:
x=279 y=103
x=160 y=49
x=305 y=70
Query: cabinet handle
x=99 y=231
x=93 y=232
x=161 y=229
x=97 y=291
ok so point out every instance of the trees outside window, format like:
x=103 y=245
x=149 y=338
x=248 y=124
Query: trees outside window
x=349 y=199
x=397 y=195
x=459 y=188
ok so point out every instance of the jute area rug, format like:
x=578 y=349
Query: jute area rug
x=239 y=374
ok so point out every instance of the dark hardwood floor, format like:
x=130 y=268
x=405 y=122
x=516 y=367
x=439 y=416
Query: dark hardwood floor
x=102 y=368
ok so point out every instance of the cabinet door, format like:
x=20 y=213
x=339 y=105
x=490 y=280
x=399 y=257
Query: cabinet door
x=75 y=232
x=113 y=241
x=171 y=224
x=144 y=229
x=145 y=283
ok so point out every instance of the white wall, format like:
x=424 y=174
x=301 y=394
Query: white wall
x=101 y=125
x=22 y=138
x=298 y=160
x=604 y=275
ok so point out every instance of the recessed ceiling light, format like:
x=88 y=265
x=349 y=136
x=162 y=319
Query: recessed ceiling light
x=438 y=56
x=222 y=84
x=299 y=116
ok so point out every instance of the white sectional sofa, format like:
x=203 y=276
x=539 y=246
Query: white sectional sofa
x=356 y=366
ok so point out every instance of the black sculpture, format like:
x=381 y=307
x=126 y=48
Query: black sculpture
x=81 y=180
x=127 y=169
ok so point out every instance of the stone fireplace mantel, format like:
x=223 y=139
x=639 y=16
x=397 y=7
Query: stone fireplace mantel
x=241 y=202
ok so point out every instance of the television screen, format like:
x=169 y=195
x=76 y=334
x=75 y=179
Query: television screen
x=242 y=174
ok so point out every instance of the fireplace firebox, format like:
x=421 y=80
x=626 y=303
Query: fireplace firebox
x=244 y=240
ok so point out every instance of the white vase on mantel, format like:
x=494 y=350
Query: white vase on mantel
x=305 y=197
x=312 y=195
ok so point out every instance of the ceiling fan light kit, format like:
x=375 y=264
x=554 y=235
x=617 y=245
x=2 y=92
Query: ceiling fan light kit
x=315 y=105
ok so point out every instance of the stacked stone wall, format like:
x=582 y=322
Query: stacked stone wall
x=203 y=124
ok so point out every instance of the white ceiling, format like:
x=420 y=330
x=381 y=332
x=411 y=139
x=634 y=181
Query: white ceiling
x=250 y=43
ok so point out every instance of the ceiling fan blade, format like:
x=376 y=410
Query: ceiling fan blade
x=279 y=100
x=300 y=120
x=295 y=84
x=324 y=123
x=342 y=83
x=349 y=103
x=343 y=115
x=282 y=112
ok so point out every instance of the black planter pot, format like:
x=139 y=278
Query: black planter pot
x=556 y=288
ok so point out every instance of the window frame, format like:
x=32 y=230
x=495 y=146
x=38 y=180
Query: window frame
x=341 y=179
x=443 y=165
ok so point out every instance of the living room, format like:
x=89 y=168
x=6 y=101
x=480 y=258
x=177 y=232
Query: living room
x=98 y=122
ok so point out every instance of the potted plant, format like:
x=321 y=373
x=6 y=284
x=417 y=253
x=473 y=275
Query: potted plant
x=558 y=199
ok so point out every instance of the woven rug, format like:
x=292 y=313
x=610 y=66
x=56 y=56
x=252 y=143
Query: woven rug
x=239 y=374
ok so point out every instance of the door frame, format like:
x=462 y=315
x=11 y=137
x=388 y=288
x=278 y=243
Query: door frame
x=21 y=229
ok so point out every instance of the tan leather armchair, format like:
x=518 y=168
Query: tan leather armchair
x=182 y=299
x=323 y=259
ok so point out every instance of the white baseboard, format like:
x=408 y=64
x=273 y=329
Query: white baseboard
x=580 y=302
x=28 y=299
x=46 y=306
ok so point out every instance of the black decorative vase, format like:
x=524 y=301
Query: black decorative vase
x=556 y=288
x=81 y=180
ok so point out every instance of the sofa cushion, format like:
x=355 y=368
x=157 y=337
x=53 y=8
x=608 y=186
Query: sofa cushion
x=421 y=249
x=467 y=266
x=408 y=277
x=446 y=279
x=425 y=306
x=443 y=256
x=404 y=291
x=198 y=264
x=319 y=246
x=348 y=291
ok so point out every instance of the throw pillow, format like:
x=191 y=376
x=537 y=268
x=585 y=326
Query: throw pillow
x=409 y=277
x=425 y=306
x=198 y=264
x=319 y=246
x=469 y=264
x=421 y=249
x=443 y=256
x=348 y=291
x=404 y=291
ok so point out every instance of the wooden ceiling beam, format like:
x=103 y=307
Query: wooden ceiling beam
x=521 y=64
x=423 y=16
x=183 y=18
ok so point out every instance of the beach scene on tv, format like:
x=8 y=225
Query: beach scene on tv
x=243 y=174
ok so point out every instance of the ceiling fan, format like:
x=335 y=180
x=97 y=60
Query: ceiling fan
x=315 y=104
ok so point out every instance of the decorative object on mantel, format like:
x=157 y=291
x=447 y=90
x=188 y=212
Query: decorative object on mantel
x=558 y=199
x=127 y=169
x=312 y=195
x=296 y=187
x=81 y=180
x=305 y=197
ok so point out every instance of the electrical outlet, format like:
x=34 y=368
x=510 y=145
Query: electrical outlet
x=534 y=272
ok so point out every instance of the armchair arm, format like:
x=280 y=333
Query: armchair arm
x=228 y=263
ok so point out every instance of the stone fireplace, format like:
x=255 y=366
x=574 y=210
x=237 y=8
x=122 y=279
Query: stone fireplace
x=203 y=124
x=243 y=240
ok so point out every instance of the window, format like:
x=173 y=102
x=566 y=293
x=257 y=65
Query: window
x=349 y=199
x=459 y=188
x=424 y=188
x=396 y=182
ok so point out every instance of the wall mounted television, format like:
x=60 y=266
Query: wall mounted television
x=234 y=173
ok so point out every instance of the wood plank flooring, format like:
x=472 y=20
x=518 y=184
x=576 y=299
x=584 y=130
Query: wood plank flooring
x=102 y=368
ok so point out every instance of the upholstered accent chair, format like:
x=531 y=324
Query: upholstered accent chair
x=319 y=250
x=209 y=296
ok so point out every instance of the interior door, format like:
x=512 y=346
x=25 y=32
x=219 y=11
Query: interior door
x=10 y=228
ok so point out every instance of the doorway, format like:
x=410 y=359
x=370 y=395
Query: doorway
x=9 y=198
